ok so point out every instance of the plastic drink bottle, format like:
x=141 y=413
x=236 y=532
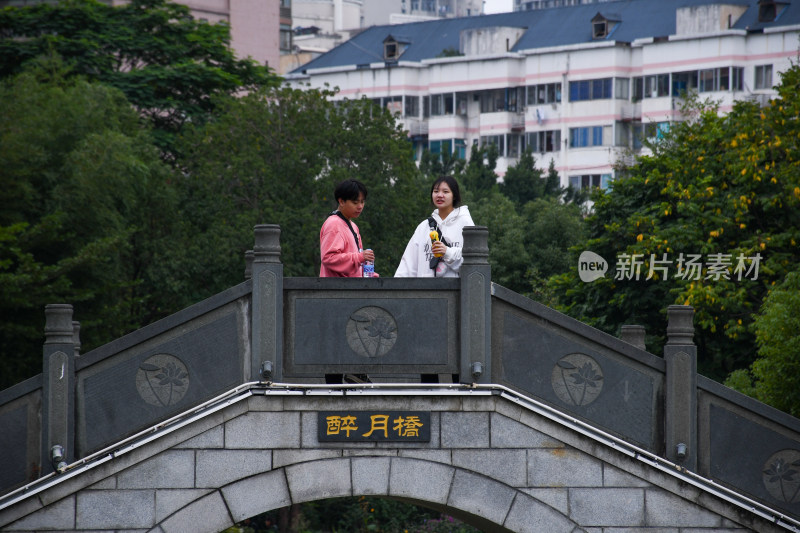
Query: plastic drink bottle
x=435 y=237
x=369 y=269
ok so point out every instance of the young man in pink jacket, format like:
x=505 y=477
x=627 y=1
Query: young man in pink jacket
x=340 y=245
x=341 y=249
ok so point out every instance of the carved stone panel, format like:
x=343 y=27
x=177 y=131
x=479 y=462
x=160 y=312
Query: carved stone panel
x=380 y=334
x=574 y=374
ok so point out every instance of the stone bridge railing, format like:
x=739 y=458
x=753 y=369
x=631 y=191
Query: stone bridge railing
x=296 y=330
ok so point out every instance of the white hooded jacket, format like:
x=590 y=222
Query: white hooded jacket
x=416 y=259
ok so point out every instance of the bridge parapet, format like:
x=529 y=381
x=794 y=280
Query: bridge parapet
x=296 y=330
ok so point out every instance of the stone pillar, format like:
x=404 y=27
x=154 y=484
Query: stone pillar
x=248 y=264
x=680 y=354
x=267 y=305
x=58 y=386
x=76 y=337
x=633 y=335
x=476 y=316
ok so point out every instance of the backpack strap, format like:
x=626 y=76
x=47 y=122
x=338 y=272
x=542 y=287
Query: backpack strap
x=355 y=237
x=435 y=227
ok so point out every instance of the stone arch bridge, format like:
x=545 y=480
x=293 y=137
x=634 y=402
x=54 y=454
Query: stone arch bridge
x=221 y=412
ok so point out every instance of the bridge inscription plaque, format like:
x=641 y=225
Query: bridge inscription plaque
x=374 y=426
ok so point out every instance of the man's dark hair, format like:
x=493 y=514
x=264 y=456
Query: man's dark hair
x=453 y=184
x=349 y=190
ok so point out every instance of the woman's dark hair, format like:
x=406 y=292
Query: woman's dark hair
x=453 y=184
x=349 y=190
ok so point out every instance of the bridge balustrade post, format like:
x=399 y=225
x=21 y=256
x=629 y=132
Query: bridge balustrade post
x=58 y=388
x=680 y=354
x=633 y=335
x=76 y=337
x=267 y=305
x=476 y=316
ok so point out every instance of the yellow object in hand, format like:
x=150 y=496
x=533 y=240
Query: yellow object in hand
x=435 y=237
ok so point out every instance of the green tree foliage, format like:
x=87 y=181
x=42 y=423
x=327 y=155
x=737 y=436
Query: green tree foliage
x=86 y=213
x=524 y=182
x=774 y=378
x=357 y=514
x=714 y=185
x=165 y=62
x=479 y=176
x=530 y=224
x=275 y=156
x=443 y=164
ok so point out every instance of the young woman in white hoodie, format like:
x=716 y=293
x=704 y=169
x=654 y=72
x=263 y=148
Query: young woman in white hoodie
x=448 y=219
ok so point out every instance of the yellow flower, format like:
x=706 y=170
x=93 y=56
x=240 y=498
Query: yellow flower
x=714 y=233
x=639 y=237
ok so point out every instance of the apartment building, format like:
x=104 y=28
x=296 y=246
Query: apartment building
x=581 y=85
x=260 y=29
x=525 y=5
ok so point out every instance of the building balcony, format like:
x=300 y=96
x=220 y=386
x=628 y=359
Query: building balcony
x=415 y=126
x=447 y=126
x=502 y=122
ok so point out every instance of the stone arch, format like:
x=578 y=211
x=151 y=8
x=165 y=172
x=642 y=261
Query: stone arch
x=472 y=497
x=494 y=463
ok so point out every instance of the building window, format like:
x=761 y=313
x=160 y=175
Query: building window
x=737 y=78
x=683 y=82
x=460 y=148
x=412 y=106
x=769 y=10
x=497 y=140
x=285 y=38
x=622 y=88
x=516 y=144
x=637 y=89
x=590 y=136
x=442 y=104
x=586 y=181
x=392 y=48
x=515 y=98
x=493 y=101
x=546 y=93
x=763 y=77
x=437 y=106
x=656 y=86
x=652 y=131
x=394 y=104
x=601 y=26
x=544 y=141
x=622 y=133
x=461 y=103
x=600 y=29
x=590 y=90
x=714 y=79
x=441 y=147
x=426 y=106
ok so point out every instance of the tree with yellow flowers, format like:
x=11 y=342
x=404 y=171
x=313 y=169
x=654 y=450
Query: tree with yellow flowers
x=711 y=219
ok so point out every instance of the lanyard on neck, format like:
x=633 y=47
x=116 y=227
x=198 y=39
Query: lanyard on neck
x=355 y=237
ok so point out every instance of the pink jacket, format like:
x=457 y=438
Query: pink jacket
x=338 y=250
